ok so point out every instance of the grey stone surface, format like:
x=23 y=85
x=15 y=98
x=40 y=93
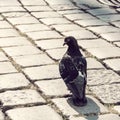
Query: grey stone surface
x=117 y=43
x=108 y=94
x=3 y=57
x=6 y=67
x=9 y=3
x=11 y=81
x=21 y=50
x=42 y=72
x=102 y=77
x=101 y=117
x=113 y=63
x=117 y=108
x=67 y=107
x=53 y=87
x=35 y=2
x=117 y=23
x=43 y=112
x=4 y=24
x=20 y=97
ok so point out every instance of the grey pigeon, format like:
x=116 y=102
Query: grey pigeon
x=73 y=70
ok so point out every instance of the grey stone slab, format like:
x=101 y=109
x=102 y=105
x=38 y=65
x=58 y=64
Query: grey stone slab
x=93 y=106
x=97 y=43
x=3 y=57
x=100 y=117
x=117 y=108
x=46 y=14
x=54 y=21
x=22 y=20
x=21 y=50
x=53 y=87
x=94 y=64
x=79 y=16
x=50 y=44
x=6 y=67
x=20 y=97
x=108 y=94
x=42 y=72
x=102 y=77
x=10 y=33
x=104 y=29
x=113 y=63
x=11 y=81
x=111 y=36
x=43 y=112
x=80 y=34
x=33 y=60
x=117 y=23
x=102 y=53
x=4 y=24
x=2 y=117
x=43 y=35
x=35 y=2
x=91 y=22
x=9 y=3
x=14 y=41
x=67 y=27
x=32 y=27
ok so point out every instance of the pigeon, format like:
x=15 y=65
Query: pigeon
x=73 y=70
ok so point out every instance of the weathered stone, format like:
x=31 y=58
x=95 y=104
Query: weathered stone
x=108 y=94
x=102 y=77
x=43 y=35
x=113 y=63
x=80 y=34
x=117 y=23
x=4 y=24
x=66 y=106
x=20 y=97
x=11 y=81
x=33 y=60
x=100 y=117
x=35 y=2
x=21 y=50
x=6 y=67
x=13 y=41
x=3 y=57
x=53 y=87
x=108 y=52
x=43 y=112
x=42 y=72
x=9 y=3
x=117 y=108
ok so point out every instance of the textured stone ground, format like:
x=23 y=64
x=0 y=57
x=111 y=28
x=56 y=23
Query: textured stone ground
x=31 y=38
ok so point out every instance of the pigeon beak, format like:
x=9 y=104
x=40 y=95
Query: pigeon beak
x=64 y=43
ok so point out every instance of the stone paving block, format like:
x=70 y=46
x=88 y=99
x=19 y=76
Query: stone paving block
x=97 y=43
x=14 y=41
x=53 y=87
x=117 y=108
x=104 y=29
x=9 y=3
x=50 y=44
x=33 y=60
x=4 y=24
x=35 y=2
x=2 y=117
x=32 y=27
x=43 y=35
x=108 y=94
x=43 y=112
x=54 y=21
x=66 y=106
x=11 y=81
x=6 y=67
x=46 y=14
x=21 y=50
x=113 y=63
x=102 y=11
x=117 y=23
x=93 y=64
x=103 y=53
x=102 y=77
x=3 y=57
x=110 y=18
x=80 y=34
x=8 y=33
x=79 y=16
x=111 y=36
x=101 y=117
x=22 y=20
x=67 y=27
x=42 y=72
x=20 y=97
x=91 y=22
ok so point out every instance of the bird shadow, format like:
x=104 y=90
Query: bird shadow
x=91 y=108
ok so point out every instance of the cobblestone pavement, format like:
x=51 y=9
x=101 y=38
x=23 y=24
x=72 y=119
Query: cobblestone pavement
x=31 y=38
